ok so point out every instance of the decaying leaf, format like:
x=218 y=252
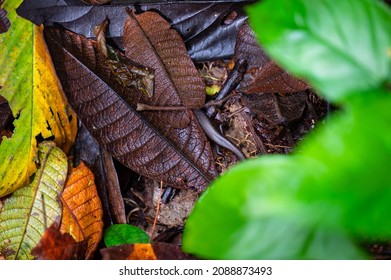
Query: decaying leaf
x=271 y=78
x=55 y=245
x=150 y=41
x=165 y=146
x=4 y=21
x=263 y=75
x=277 y=109
x=26 y=214
x=270 y=91
x=34 y=94
x=82 y=209
x=5 y=113
x=157 y=250
x=129 y=252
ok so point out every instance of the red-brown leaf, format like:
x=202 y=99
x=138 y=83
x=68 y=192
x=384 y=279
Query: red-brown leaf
x=55 y=245
x=164 y=146
x=263 y=75
x=150 y=41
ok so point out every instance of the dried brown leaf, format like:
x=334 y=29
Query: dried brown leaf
x=165 y=146
x=263 y=75
x=129 y=252
x=155 y=251
x=55 y=245
x=150 y=41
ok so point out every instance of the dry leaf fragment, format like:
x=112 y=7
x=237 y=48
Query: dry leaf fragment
x=129 y=252
x=82 y=208
x=155 y=251
x=264 y=75
x=55 y=245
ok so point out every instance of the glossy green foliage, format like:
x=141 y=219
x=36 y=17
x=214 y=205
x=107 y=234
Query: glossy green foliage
x=334 y=191
x=119 y=234
x=341 y=47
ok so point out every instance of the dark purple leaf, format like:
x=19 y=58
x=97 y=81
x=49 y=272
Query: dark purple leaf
x=209 y=28
x=4 y=21
x=5 y=113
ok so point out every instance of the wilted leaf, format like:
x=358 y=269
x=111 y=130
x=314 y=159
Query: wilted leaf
x=338 y=54
x=119 y=234
x=263 y=75
x=35 y=97
x=82 y=209
x=29 y=210
x=209 y=29
x=150 y=41
x=129 y=252
x=157 y=250
x=87 y=149
x=167 y=146
x=277 y=109
x=268 y=87
x=55 y=245
x=272 y=78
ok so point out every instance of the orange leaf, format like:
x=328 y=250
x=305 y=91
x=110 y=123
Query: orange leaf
x=142 y=252
x=82 y=208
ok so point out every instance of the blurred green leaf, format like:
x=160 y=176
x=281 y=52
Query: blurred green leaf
x=340 y=47
x=334 y=188
x=119 y=234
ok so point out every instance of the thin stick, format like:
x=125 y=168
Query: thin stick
x=146 y=107
x=157 y=213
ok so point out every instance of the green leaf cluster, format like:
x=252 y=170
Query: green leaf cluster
x=333 y=192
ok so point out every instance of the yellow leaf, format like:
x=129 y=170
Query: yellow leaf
x=82 y=208
x=30 y=85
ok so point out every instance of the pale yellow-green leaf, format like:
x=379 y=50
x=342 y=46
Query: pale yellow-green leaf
x=31 y=209
x=30 y=85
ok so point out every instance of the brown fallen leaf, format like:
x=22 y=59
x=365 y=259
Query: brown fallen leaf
x=263 y=75
x=164 y=146
x=129 y=252
x=270 y=91
x=55 y=245
x=82 y=209
x=149 y=40
x=155 y=251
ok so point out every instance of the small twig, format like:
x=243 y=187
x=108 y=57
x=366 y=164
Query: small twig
x=146 y=107
x=233 y=79
x=44 y=211
x=157 y=213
